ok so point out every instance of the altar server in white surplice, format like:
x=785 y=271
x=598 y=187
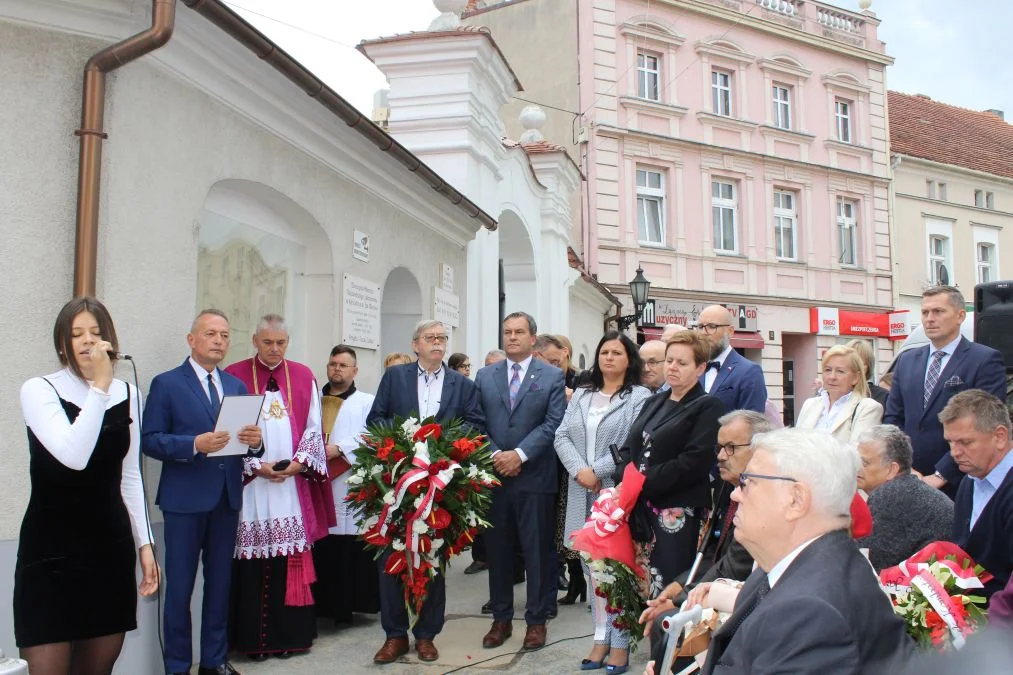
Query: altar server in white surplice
x=346 y=571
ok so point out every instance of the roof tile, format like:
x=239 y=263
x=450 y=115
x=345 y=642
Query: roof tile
x=921 y=127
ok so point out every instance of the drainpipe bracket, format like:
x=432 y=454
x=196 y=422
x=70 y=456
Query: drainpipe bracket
x=91 y=132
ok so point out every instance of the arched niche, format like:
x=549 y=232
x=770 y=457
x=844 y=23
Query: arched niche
x=260 y=252
x=400 y=310
x=519 y=285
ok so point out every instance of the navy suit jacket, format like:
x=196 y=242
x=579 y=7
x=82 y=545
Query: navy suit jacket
x=972 y=366
x=178 y=411
x=530 y=426
x=990 y=543
x=740 y=384
x=826 y=614
x=398 y=396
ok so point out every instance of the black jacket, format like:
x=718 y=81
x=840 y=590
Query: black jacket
x=682 y=449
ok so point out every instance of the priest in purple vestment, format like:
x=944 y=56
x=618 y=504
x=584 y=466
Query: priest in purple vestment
x=285 y=510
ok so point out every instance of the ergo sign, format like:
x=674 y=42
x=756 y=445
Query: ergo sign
x=833 y=321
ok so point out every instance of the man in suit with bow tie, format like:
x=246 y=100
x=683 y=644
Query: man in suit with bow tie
x=925 y=378
x=200 y=495
x=523 y=401
x=423 y=389
x=735 y=380
x=813 y=604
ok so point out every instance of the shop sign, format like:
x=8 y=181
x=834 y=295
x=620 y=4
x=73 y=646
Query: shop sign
x=833 y=321
x=686 y=314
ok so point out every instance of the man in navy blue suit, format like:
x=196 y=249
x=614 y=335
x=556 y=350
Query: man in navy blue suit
x=977 y=427
x=200 y=495
x=925 y=378
x=733 y=379
x=523 y=400
x=422 y=390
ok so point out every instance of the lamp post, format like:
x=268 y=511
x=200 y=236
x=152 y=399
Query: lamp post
x=639 y=289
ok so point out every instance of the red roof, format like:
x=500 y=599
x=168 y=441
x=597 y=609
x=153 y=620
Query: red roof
x=921 y=127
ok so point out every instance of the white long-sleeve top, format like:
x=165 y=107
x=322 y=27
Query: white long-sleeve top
x=72 y=444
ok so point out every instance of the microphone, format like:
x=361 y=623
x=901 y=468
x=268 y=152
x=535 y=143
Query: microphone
x=119 y=355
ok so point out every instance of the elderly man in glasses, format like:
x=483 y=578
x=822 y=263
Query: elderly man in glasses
x=723 y=556
x=813 y=604
x=732 y=378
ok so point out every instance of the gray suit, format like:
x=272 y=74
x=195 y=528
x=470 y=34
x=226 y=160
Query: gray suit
x=522 y=512
x=826 y=614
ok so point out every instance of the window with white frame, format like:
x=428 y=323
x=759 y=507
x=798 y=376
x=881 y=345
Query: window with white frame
x=782 y=106
x=847 y=231
x=939 y=259
x=989 y=200
x=785 y=224
x=842 y=119
x=986 y=262
x=648 y=76
x=721 y=93
x=979 y=198
x=724 y=206
x=650 y=206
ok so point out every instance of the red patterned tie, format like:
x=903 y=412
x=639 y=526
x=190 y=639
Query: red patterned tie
x=725 y=529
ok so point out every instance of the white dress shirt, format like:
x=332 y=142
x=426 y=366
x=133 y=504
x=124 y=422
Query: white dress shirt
x=947 y=353
x=830 y=413
x=202 y=377
x=430 y=391
x=712 y=373
x=775 y=573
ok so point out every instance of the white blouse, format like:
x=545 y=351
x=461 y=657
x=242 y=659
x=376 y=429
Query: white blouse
x=595 y=414
x=73 y=444
x=830 y=413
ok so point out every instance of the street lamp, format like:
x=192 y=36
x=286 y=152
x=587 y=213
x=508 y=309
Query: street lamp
x=639 y=288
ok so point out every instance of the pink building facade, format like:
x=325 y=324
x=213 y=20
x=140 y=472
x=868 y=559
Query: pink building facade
x=737 y=151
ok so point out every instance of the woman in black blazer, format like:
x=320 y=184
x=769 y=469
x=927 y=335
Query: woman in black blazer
x=672 y=443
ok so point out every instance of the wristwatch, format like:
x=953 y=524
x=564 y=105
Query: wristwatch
x=939 y=476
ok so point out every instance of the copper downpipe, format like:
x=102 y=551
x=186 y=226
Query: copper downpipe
x=163 y=16
x=230 y=22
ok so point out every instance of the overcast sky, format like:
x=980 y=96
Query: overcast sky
x=956 y=51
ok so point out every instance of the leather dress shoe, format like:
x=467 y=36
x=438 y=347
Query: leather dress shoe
x=498 y=634
x=392 y=649
x=224 y=669
x=535 y=637
x=475 y=567
x=487 y=608
x=426 y=649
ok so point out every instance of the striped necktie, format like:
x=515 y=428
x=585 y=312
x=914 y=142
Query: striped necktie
x=933 y=375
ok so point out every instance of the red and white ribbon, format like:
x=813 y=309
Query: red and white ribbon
x=606 y=514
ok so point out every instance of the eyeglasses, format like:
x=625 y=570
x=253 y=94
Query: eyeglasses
x=711 y=327
x=653 y=362
x=743 y=477
x=729 y=447
x=436 y=339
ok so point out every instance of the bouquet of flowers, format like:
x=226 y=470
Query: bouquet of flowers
x=931 y=592
x=606 y=545
x=420 y=491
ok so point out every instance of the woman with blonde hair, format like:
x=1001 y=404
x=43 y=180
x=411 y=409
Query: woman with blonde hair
x=843 y=407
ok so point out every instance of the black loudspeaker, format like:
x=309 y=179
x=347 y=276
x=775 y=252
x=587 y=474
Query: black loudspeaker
x=993 y=318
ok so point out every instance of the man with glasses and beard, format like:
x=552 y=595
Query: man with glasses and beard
x=424 y=389
x=735 y=380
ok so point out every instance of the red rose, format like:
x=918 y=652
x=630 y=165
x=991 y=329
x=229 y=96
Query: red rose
x=397 y=456
x=438 y=497
x=418 y=486
x=428 y=430
x=439 y=519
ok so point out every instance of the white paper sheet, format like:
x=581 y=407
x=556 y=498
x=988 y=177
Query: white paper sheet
x=237 y=411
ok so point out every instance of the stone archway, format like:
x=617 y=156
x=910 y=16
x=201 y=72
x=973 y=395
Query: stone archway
x=400 y=310
x=261 y=252
x=519 y=273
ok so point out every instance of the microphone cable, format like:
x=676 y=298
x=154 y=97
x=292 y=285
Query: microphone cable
x=144 y=493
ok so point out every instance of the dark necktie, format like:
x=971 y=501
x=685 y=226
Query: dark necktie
x=742 y=613
x=716 y=365
x=272 y=385
x=216 y=401
x=933 y=375
x=725 y=529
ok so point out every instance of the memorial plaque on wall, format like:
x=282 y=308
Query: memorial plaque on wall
x=446 y=308
x=360 y=316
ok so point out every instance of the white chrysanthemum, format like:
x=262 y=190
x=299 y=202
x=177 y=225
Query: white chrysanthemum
x=420 y=527
x=355 y=479
x=376 y=470
x=389 y=498
x=597 y=565
x=418 y=503
x=410 y=426
x=398 y=545
x=472 y=471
